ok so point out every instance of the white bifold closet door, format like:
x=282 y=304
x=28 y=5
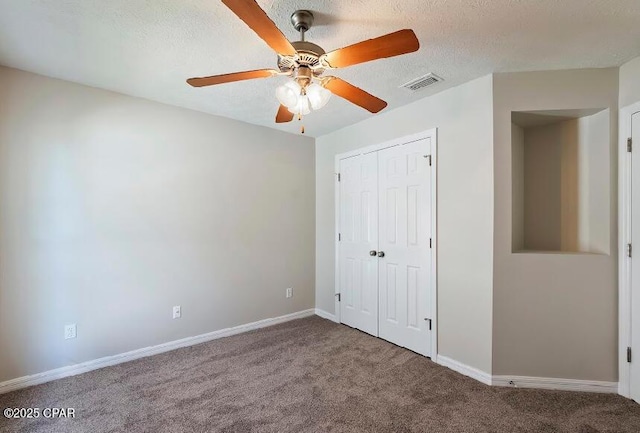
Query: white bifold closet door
x=635 y=261
x=359 y=236
x=384 y=250
x=404 y=231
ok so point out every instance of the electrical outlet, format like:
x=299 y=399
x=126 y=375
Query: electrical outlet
x=177 y=312
x=289 y=293
x=70 y=331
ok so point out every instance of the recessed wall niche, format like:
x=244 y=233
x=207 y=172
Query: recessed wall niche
x=561 y=181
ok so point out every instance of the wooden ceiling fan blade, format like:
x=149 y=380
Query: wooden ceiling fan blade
x=252 y=14
x=229 y=78
x=354 y=94
x=393 y=44
x=284 y=115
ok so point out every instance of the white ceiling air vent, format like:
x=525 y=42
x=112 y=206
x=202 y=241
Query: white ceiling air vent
x=422 y=82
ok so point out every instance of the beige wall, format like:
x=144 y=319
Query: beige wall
x=542 y=169
x=517 y=164
x=463 y=117
x=113 y=209
x=595 y=194
x=554 y=315
x=630 y=82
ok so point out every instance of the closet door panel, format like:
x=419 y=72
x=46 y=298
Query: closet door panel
x=404 y=191
x=358 y=269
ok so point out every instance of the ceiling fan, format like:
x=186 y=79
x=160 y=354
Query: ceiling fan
x=306 y=62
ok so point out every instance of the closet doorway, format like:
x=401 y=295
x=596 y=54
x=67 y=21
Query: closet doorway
x=386 y=244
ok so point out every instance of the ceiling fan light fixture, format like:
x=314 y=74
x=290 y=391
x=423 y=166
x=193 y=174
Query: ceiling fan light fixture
x=318 y=96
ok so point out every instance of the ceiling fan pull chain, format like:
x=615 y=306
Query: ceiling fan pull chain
x=302 y=125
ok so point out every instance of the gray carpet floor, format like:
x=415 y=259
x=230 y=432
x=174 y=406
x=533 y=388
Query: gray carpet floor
x=309 y=375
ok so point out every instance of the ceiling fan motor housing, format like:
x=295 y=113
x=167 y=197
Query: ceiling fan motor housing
x=308 y=55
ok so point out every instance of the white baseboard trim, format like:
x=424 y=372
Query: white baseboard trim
x=326 y=315
x=72 y=370
x=461 y=368
x=529 y=382
x=554 y=383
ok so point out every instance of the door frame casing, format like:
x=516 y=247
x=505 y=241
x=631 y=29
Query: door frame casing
x=624 y=238
x=432 y=134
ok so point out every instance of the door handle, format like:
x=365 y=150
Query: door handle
x=373 y=253
x=428 y=320
x=380 y=253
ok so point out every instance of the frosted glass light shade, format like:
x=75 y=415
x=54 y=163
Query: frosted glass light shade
x=288 y=94
x=302 y=107
x=318 y=96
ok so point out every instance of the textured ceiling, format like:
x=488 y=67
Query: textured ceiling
x=148 y=48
